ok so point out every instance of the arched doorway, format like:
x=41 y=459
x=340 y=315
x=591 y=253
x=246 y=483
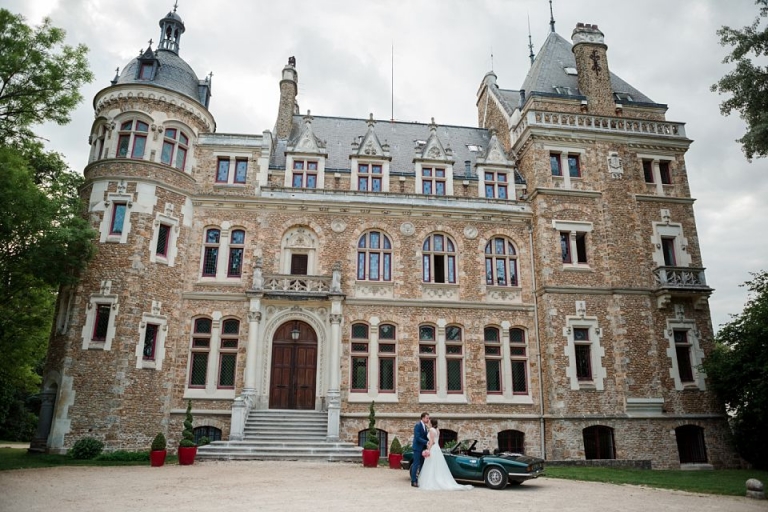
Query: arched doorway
x=294 y=367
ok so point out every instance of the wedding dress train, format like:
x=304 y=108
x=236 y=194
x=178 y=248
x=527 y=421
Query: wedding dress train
x=435 y=475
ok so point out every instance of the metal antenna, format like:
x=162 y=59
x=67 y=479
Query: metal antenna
x=551 y=17
x=392 y=100
x=176 y=5
x=530 y=41
x=491 y=59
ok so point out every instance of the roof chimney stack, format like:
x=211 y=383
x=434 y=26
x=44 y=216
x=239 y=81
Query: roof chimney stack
x=289 y=89
x=592 y=67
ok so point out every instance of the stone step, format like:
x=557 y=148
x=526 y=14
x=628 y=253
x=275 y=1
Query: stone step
x=278 y=446
x=287 y=424
x=274 y=437
x=320 y=429
x=319 y=457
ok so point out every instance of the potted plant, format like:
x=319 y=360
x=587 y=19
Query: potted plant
x=371 y=446
x=157 y=451
x=187 y=446
x=395 y=454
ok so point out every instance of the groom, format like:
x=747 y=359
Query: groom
x=420 y=440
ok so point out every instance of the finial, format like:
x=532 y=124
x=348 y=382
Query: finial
x=491 y=59
x=530 y=41
x=551 y=17
x=150 y=44
x=210 y=75
x=117 y=76
x=432 y=125
x=175 y=5
x=370 y=122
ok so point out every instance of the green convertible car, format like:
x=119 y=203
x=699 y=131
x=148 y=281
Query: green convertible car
x=494 y=469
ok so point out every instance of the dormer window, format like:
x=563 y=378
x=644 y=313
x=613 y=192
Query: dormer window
x=622 y=97
x=304 y=174
x=369 y=177
x=433 y=181
x=566 y=91
x=145 y=73
x=570 y=71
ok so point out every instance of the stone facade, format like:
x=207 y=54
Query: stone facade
x=215 y=268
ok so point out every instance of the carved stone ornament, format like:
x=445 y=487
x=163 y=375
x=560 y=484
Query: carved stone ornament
x=615 y=165
x=338 y=225
x=254 y=316
x=470 y=232
x=407 y=229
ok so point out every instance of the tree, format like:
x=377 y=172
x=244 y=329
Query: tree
x=748 y=83
x=40 y=78
x=45 y=239
x=737 y=371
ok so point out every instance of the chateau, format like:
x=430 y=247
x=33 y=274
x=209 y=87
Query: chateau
x=534 y=282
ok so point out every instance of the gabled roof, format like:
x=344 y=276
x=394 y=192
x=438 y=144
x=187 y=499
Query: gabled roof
x=548 y=72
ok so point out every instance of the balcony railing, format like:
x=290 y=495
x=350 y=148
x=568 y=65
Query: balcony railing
x=296 y=285
x=598 y=123
x=680 y=277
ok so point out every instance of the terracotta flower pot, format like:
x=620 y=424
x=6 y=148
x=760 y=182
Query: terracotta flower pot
x=394 y=460
x=187 y=455
x=157 y=458
x=370 y=458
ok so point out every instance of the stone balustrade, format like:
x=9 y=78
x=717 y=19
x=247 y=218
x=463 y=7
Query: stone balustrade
x=680 y=277
x=285 y=284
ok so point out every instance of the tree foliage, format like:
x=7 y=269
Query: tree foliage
x=40 y=78
x=748 y=83
x=737 y=371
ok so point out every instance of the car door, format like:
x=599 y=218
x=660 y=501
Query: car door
x=464 y=467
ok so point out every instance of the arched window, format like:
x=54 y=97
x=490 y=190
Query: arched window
x=362 y=437
x=236 y=248
x=132 y=139
x=454 y=359
x=598 y=443
x=500 y=263
x=690 y=444
x=493 y=361
x=175 y=146
x=511 y=441
x=211 y=252
x=212 y=433
x=518 y=350
x=439 y=259
x=230 y=330
x=201 y=347
x=97 y=151
x=427 y=359
x=374 y=257
x=359 y=344
x=446 y=436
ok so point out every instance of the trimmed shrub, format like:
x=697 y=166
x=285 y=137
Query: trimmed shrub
x=203 y=441
x=124 y=456
x=158 y=443
x=86 y=448
x=188 y=435
x=396 y=447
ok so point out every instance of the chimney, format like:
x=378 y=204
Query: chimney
x=592 y=67
x=289 y=89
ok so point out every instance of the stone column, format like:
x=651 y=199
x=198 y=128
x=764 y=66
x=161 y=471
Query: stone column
x=442 y=376
x=334 y=376
x=373 y=358
x=40 y=442
x=251 y=372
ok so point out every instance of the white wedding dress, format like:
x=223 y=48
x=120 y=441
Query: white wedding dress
x=435 y=475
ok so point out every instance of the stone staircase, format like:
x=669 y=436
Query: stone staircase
x=283 y=435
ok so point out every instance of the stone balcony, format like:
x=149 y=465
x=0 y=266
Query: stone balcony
x=295 y=286
x=688 y=282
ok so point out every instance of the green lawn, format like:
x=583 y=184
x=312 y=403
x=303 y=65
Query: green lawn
x=726 y=481
x=11 y=458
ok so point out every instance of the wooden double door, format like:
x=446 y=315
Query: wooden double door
x=294 y=367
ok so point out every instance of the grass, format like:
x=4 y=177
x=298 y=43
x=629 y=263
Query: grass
x=12 y=458
x=729 y=482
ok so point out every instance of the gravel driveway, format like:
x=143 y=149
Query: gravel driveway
x=338 y=487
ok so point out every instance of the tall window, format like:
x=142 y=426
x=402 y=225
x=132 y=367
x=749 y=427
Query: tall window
x=230 y=330
x=175 y=145
x=201 y=347
x=433 y=181
x=493 y=366
x=519 y=353
x=236 y=248
x=664 y=175
x=101 y=323
x=648 y=171
x=668 y=250
x=427 y=359
x=118 y=218
x=369 y=177
x=163 y=239
x=454 y=358
x=583 y=348
x=554 y=164
x=387 y=355
x=374 y=257
x=211 y=252
x=132 y=139
x=241 y=170
x=683 y=353
x=150 y=342
x=222 y=170
x=500 y=263
x=598 y=443
x=511 y=441
x=573 y=243
x=496 y=185
x=574 y=166
x=359 y=358
x=690 y=444
x=304 y=174
x=439 y=259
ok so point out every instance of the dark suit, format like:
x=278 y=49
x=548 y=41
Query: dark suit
x=419 y=444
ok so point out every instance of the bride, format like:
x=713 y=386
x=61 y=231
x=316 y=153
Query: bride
x=435 y=475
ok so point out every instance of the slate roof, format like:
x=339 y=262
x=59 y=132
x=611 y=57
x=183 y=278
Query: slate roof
x=174 y=74
x=339 y=132
x=548 y=71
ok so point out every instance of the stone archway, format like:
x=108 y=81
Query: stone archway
x=293 y=377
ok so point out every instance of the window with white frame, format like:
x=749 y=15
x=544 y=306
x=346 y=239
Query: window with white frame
x=433 y=181
x=439 y=259
x=683 y=355
x=571 y=162
x=670 y=247
x=101 y=313
x=222 y=170
x=518 y=351
x=374 y=257
x=387 y=358
x=369 y=177
x=304 y=174
x=684 y=352
x=163 y=248
x=230 y=332
x=427 y=359
x=494 y=370
x=231 y=171
x=500 y=263
x=117 y=218
x=454 y=359
x=497 y=184
x=175 y=147
x=150 y=348
x=583 y=353
x=132 y=139
x=236 y=249
x=373 y=361
x=211 y=252
x=572 y=236
x=116 y=221
x=98 y=143
x=584 y=350
x=201 y=348
x=359 y=354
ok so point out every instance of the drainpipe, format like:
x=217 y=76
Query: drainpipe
x=538 y=343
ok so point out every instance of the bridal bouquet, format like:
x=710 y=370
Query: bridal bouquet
x=425 y=453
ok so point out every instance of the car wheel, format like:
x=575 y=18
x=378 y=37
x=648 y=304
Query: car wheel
x=495 y=478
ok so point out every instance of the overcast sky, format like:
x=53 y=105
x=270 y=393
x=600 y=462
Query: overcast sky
x=442 y=49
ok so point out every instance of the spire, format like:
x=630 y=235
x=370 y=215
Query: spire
x=171 y=28
x=551 y=17
x=530 y=42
